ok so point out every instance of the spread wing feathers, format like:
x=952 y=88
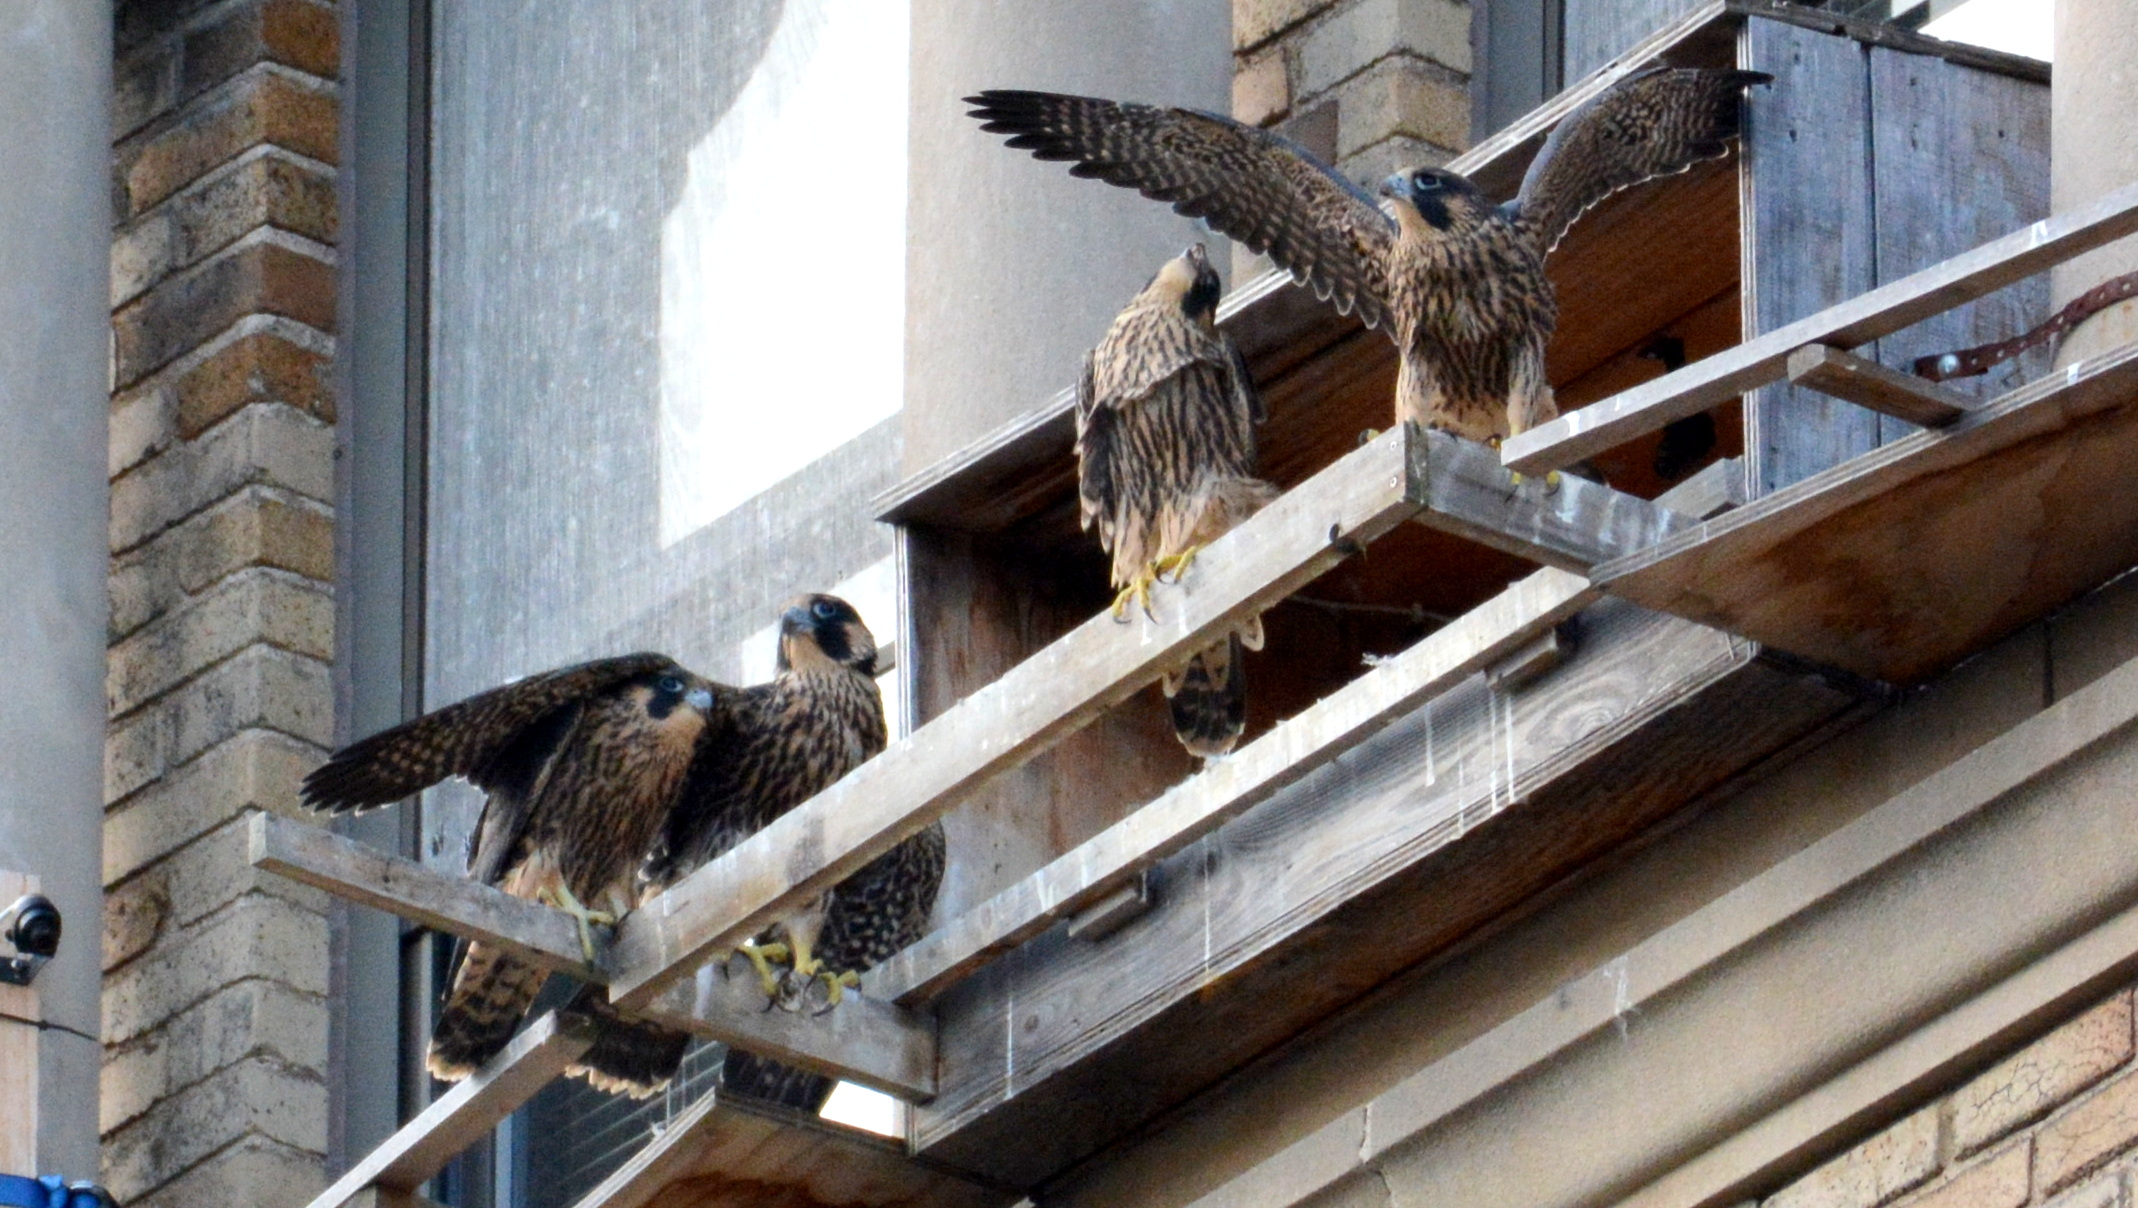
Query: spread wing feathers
x=465 y=739
x=1652 y=123
x=627 y=1057
x=1264 y=190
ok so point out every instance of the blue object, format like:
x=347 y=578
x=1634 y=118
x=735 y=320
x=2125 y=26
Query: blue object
x=51 y=1191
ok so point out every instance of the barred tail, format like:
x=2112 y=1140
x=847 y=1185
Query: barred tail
x=748 y=1076
x=1209 y=698
x=627 y=1058
x=491 y=994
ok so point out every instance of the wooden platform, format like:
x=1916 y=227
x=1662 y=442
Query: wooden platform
x=1903 y=561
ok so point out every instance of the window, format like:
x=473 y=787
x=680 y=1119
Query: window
x=643 y=382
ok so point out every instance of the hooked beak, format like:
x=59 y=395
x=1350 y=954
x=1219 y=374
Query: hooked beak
x=1197 y=255
x=700 y=699
x=1397 y=185
x=796 y=620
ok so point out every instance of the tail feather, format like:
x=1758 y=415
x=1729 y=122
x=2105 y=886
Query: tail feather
x=1208 y=698
x=748 y=1076
x=627 y=1057
x=490 y=995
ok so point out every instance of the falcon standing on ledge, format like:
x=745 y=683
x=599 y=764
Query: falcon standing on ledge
x=1165 y=450
x=819 y=718
x=582 y=766
x=1456 y=281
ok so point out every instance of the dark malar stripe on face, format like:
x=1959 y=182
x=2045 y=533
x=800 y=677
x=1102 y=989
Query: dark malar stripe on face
x=1202 y=298
x=1433 y=209
x=831 y=638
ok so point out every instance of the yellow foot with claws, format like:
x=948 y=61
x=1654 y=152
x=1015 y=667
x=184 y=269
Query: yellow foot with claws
x=798 y=990
x=1138 y=592
x=1368 y=436
x=762 y=956
x=1175 y=565
x=564 y=900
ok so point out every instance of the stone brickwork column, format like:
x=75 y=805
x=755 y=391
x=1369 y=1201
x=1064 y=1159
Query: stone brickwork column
x=222 y=545
x=1372 y=86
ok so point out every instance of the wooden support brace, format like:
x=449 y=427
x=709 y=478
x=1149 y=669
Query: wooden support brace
x=1710 y=493
x=868 y=1042
x=1760 y=361
x=1200 y=804
x=455 y=905
x=1566 y=522
x=1867 y=383
x=1047 y=697
x=464 y=1115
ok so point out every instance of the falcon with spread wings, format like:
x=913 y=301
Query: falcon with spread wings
x=819 y=717
x=1456 y=281
x=1165 y=451
x=581 y=767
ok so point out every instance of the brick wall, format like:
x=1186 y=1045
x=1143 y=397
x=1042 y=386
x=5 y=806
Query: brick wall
x=222 y=291
x=1371 y=85
x=2054 y=1125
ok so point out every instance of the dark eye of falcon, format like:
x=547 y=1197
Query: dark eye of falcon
x=1424 y=183
x=670 y=686
x=824 y=609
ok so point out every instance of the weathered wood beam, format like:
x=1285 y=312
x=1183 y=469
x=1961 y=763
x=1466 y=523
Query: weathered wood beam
x=359 y=873
x=1050 y=695
x=1709 y=493
x=1759 y=361
x=1112 y=859
x=865 y=1040
x=464 y=1115
x=872 y=1043
x=1565 y=522
x=1867 y=383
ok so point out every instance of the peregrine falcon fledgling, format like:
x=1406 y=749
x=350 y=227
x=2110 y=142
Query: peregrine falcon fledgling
x=1457 y=282
x=581 y=767
x=820 y=717
x=1165 y=450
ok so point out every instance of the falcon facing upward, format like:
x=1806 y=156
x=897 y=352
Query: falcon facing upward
x=818 y=719
x=1456 y=281
x=1165 y=449
x=582 y=766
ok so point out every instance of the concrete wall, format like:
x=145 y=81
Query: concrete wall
x=1014 y=268
x=2095 y=150
x=54 y=172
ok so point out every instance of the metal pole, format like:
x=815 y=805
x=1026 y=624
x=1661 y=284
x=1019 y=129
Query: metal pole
x=55 y=268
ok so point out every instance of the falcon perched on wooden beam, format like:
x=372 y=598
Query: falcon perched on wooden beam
x=1165 y=450
x=582 y=767
x=1455 y=280
x=819 y=718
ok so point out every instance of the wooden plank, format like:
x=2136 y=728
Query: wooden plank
x=739 y=1154
x=1225 y=789
x=1906 y=559
x=1959 y=156
x=1844 y=375
x=381 y=1197
x=1571 y=524
x=865 y=1039
x=1807 y=184
x=1710 y=493
x=1858 y=321
x=20 y=1013
x=1454 y=815
x=869 y=1042
x=455 y=905
x=464 y=1115
x=1054 y=693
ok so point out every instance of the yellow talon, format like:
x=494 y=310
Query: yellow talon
x=835 y=986
x=762 y=956
x=1138 y=592
x=1175 y=564
x=564 y=900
